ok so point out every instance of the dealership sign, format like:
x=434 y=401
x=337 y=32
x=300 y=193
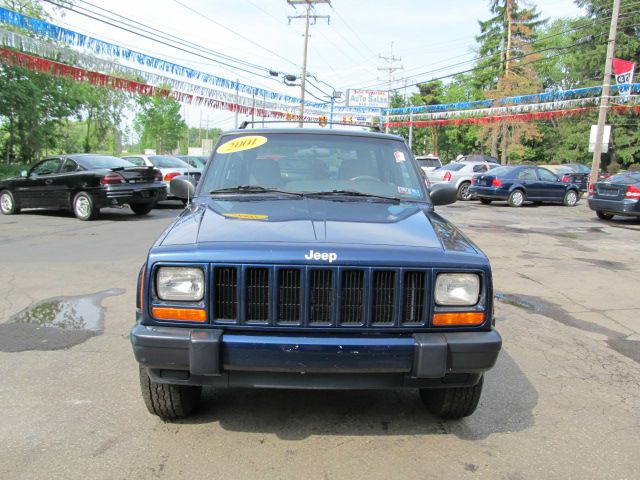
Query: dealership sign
x=367 y=98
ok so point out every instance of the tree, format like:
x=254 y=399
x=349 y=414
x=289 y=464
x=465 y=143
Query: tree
x=507 y=54
x=159 y=124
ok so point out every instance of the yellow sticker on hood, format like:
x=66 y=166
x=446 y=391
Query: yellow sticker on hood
x=246 y=216
x=242 y=143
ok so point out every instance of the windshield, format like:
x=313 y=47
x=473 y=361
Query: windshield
x=501 y=171
x=102 y=161
x=164 y=161
x=453 y=167
x=580 y=168
x=428 y=162
x=306 y=163
x=627 y=178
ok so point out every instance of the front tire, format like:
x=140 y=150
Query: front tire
x=84 y=208
x=141 y=208
x=463 y=191
x=516 y=198
x=570 y=198
x=604 y=216
x=454 y=402
x=8 y=203
x=169 y=402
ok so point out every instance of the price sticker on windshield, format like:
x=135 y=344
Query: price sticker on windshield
x=242 y=143
x=399 y=156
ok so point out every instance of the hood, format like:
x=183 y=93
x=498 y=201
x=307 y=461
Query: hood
x=316 y=222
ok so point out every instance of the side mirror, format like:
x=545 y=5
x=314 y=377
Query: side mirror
x=182 y=187
x=442 y=194
x=23 y=173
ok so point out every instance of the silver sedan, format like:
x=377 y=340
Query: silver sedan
x=459 y=174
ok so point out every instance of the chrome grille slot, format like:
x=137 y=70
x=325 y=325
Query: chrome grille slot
x=352 y=298
x=226 y=293
x=384 y=283
x=289 y=296
x=320 y=296
x=413 y=298
x=257 y=294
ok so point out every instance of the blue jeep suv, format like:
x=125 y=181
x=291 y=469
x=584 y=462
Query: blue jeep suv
x=312 y=258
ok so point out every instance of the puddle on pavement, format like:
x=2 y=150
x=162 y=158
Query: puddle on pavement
x=55 y=323
x=615 y=340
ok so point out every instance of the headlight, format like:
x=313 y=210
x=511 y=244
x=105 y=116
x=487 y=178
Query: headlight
x=457 y=289
x=180 y=283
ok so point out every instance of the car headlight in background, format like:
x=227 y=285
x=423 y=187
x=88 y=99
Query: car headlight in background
x=457 y=289
x=180 y=283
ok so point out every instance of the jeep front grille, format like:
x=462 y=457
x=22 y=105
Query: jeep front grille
x=308 y=297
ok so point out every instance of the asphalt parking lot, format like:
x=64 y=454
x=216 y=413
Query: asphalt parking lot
x=562 y=402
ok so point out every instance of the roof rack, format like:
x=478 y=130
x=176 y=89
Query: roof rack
x=247 y=123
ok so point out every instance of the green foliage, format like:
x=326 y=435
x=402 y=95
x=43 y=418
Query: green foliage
x=159 y=123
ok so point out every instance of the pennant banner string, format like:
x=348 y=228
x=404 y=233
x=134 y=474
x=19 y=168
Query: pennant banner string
x=75 y=39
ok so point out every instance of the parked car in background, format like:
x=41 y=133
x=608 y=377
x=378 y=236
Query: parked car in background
x=477 y=158
x=428 y=162
x=170 y=167
x=617 y=195
x=83 y=183
x=518 y=184
x=570 y=175
x=459 y=176
x=196 y=161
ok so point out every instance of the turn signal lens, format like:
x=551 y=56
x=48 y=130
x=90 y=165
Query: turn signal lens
x=171 y=175
x=457 y=318
x=447 y=176
x=592 y=190
x=180 y=314
x=632 y=192
x=496 y=182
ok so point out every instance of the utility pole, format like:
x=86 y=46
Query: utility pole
x=390 y=68
x=606 y=88
x=303 y=79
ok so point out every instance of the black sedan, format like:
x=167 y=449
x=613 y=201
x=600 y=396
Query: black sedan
x=617 y=195
x=83 y=183
x=523 y=183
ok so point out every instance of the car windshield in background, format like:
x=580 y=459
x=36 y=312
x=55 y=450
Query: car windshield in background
x=580 y=168
x=164 y=161
x=454 y=167
x=314 y=163
x=99 y=161
x=501 y=171
x=627 y=177
x=428 y=162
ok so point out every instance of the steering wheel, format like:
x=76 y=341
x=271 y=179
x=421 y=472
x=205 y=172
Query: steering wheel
x=365 y=177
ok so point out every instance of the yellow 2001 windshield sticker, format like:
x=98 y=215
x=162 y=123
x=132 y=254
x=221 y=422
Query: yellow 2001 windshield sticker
x=242 y=143
x=246 y=216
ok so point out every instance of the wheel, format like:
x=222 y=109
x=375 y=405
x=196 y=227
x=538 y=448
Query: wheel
x=570 y=198
x=8 y=203
x=463 y=191
x=454 y=402
x=485 y=201
x=83 y=207
x=169 y=402
x=604 y=216
x=141 y=208
x=516 y=198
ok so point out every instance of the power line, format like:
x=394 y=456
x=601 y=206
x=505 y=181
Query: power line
x=234 y=32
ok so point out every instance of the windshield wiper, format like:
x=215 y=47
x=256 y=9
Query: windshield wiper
x=252 y=189
x=353 y=193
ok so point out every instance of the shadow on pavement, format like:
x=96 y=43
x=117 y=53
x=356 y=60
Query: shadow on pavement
x=507 y=404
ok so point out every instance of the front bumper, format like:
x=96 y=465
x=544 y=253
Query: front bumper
x=210 y=357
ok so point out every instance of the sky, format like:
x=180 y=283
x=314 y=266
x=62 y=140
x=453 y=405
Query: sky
x=427 y=36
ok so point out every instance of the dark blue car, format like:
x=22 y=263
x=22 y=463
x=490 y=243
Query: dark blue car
x=519 y=184
x=313 y=259
x=617 y=195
